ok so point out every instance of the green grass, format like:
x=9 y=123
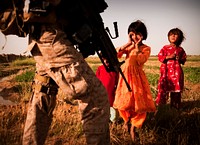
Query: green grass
x=22 y=62
x=94 y=68
x=193 y=58
x=153 y=81
x=93 y=60
x=153 y=78
x=24 y=88
x=25 y=77
x=153 y=68
x=154 y=58
x=192 y=74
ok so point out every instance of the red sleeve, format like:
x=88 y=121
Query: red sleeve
x=121 y=52
x=183 y=57
x=98 y=72
x=162 y=55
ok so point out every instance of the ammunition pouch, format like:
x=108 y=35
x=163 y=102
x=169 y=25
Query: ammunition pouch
x=50 y=89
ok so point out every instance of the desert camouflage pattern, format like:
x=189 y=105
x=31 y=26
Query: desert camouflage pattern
x=57 y=58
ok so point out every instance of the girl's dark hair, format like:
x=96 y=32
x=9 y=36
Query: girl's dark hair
x=180 y=34
x=138 y=27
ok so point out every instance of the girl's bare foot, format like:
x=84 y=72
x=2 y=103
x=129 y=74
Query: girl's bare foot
x=132 y=133
x=125 y=127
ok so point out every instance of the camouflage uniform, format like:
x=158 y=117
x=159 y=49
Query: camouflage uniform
x=60 y=65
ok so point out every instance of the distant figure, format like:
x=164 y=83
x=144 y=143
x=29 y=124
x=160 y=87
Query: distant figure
x=132 y=106
x=109 y=79
x=171 y=80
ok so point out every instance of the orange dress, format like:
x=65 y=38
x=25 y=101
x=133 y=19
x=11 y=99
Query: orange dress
x=134 y=105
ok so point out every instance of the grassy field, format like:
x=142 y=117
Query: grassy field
x=167 y=127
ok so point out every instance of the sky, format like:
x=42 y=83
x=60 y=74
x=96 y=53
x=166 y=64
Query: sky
x=159 y=17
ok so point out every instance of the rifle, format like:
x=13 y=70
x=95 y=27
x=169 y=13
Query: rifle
x=94 y=36
x=87 y=31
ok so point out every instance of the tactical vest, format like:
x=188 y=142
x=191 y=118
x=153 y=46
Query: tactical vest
x=39 y=11
x=17 y=15
x=11 y=18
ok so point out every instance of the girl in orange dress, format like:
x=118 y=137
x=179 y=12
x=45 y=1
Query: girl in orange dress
x=133 y=105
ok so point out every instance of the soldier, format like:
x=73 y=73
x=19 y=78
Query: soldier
x=60 y=65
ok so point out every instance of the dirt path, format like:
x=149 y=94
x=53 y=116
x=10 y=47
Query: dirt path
x=9 y=92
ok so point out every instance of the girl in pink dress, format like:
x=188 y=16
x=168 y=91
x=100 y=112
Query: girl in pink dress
x=171 y=80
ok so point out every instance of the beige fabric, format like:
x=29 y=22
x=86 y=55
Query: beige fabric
x=57 y=58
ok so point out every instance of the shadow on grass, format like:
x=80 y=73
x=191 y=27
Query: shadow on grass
x=170 y=126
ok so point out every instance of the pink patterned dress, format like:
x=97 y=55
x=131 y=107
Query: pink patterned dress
x=171 y=73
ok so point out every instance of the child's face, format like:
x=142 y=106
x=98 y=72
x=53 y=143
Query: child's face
x=173 y=38
x=136 y=37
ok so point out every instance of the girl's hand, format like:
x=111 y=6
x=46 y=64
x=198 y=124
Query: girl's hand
x=130 y=42
x=130 y=39
x=139 y=39
x=138 y=42
x=172 y=56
